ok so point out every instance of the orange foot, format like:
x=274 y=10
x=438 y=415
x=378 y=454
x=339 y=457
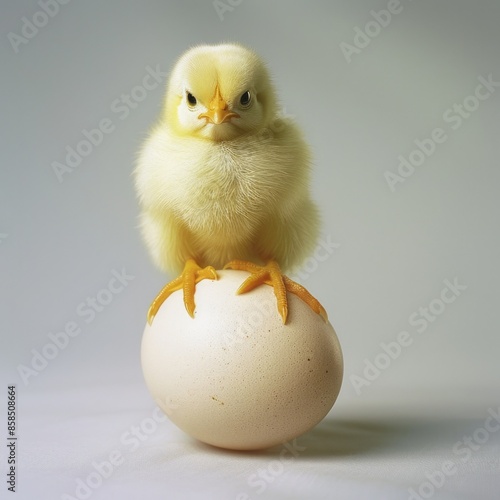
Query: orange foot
x=271 y=275
x=191 y=275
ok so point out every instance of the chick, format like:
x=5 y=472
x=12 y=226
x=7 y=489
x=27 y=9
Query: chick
x=222 y=182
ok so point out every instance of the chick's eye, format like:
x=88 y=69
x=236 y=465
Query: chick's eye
x=245 y=98
x=191 y=99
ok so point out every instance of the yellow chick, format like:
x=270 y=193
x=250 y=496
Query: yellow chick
x=222 y=181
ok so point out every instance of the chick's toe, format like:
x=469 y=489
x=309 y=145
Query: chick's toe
x=186 y=282
x=270 y=274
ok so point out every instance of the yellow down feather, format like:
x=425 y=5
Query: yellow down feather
x=233 y=190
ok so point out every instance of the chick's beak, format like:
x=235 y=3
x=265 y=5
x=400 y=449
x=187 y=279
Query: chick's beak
x=218 y=111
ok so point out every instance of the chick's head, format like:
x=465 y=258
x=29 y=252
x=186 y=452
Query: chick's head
x=219 y=92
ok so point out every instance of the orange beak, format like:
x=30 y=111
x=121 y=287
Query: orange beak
x=217 y=110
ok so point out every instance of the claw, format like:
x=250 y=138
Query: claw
x=191 y=275
x=270 y=274
x=300 y=291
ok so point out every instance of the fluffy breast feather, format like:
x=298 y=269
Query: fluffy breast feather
x=224 y=188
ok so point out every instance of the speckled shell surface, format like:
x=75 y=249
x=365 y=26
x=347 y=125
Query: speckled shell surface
x=236 y=377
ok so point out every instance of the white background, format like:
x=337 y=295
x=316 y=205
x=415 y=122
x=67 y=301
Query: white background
x=61 y=241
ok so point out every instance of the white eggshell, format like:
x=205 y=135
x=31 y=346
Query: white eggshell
x=235 y=376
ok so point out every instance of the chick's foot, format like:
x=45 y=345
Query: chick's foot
x=270 y=274
x=191 y=275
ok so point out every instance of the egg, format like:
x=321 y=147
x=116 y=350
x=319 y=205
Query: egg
x=235 y=376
